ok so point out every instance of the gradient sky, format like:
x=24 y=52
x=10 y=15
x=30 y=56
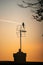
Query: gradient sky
x=11 y=15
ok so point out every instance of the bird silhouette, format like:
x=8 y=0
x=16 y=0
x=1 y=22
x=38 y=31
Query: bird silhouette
x=23 y=24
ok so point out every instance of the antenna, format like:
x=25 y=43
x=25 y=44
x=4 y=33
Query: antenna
x=22 y=30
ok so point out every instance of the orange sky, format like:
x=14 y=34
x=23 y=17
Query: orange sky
x=10 y=17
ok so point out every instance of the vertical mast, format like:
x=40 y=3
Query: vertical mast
x=20 y=39
x=21 y=31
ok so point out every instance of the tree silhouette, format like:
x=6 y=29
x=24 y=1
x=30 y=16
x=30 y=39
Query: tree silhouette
x=37 y=8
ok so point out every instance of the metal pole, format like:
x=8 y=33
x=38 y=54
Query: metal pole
x=20 y=39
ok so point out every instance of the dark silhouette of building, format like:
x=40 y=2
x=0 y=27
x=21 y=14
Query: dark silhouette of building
x=19 y=57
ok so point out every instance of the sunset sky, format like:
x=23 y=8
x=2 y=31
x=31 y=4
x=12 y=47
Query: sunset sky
x=11 y=16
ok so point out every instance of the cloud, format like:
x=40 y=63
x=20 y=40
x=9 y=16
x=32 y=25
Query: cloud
x=8 y=21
